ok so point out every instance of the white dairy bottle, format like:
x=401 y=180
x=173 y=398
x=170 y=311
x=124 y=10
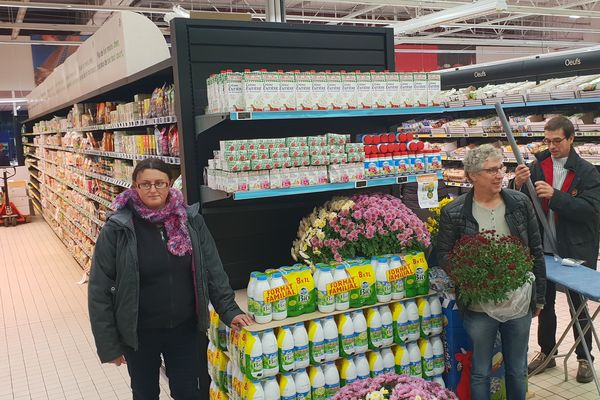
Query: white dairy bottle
x=437 y=319
x=302 y=382
x=317 y=273
x=402 y=360
x=285 y=344
x=427 y=358
x=316 y=342
x=361 y=340
x=362 y=367
x=438 y=355
x=348 y=376
x=398 y=292
x=287 y=387
x=325 y=302
x=279 y=307
x=413 y=321
x=250 y=293
x=332 y=379
x=342 y=300
x=270 y=353
x=330 y=334
x=440 y=381
x=383 y=285
x=387 y=327
x=374 y=328
x=255 y=391
x=301 y=357
x=375 y=363
x=389 y=363
x=415 y=360
x=263 y=312
x=317 y=382
x=254 y=360
x=271 y=389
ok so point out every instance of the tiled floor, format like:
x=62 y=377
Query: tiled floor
x=46 y=347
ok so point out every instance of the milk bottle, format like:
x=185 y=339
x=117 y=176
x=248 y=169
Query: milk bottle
x=263 y=312
x=400 y=323
x=254 y=390
x=427 y=358
x=374 y=333
x=270 y=353
x=271 y=389
x=361 y=340
x=398 y=285
x=254 y=356
x=387 y=326
x=346 y=335
x=316 y=342
x=332 y=379
x=383 y=285
x=287 y=387
x=440 y=381
x=285 y=344
x=389 y=363
x=301 y=358
x=363 y=370
x=402 y=360
x=347 y=370
x=279 y=307
x=331 y=340
x=317 y=382
x=413 y=321
x=415 y=360
x=375 y=363
x=424 y=317
x=437 y=319
x=302 y=383
x=325 y=302
x=342 y=300
x=438 y=355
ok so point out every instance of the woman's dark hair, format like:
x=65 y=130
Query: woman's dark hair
x=563 y=123
x=151 y=163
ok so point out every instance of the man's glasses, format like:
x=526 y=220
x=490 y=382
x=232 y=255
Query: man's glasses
x=157 y=185
x=555 y=142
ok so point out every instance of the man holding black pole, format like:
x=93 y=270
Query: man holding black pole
x=569 y=190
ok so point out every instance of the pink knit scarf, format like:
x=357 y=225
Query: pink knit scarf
x=173 y=216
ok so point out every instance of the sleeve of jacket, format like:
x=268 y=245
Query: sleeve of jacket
x=585 y=204
x=220 y=292
x=447 y=236
x=537 y=252
x=100 y=297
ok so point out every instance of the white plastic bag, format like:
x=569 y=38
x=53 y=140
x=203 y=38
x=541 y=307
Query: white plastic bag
x=516 y=306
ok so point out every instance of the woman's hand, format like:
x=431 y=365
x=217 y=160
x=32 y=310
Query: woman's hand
x=241 y=320
x=118 y=361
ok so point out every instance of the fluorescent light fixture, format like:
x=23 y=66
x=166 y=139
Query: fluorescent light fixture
x=574 y=16
x=434 y=20
x=8 y=100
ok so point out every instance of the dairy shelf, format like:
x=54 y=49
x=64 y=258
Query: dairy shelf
x=241 y=299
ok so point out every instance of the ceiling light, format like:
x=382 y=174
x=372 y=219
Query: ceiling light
x=459 y=13
x=8 y=100
x=574 y=16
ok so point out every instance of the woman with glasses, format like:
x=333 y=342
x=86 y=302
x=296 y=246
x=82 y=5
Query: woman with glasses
x=154 y=270
x=507 y=212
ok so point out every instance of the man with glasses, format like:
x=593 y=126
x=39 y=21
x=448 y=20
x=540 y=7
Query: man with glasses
x=569 y=189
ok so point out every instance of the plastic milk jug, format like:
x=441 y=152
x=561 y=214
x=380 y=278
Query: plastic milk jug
x=342 y=300
x=375 y=363
x=362 y=367
x=287 y=387
x=250 y=293
x=317 y=382
x=402 y=360
x=426 y=358
x=254 y=356
x=254 y=390
x=271 y=389
x=347 y=371
x=415 y=360
x=397 y=286
x=285 y=344
x=325 y=302
x=346 y=334
x=279 y=307
x=389 y=362
x=438 y=355
x=374 y=331
x=332 y=379
x=413 y=321
x=400 y=322
x=424 y=317
x=437 y=319
x=440 y=381
x=316 y=342
x=301 y=358
x=270 y=353
x=331 y=340
x=302 y=382
x=361 y=339
x=383 y=285
x=263 y=312
x=387 y=326
x=222 y=334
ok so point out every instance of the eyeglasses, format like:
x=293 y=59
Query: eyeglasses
x=555 y=142
x=157 y=185
x=495 y=170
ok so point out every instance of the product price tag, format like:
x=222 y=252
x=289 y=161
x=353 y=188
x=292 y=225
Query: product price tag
x=427 y=191
x=399 y=273
x=279 y=293
x=342 y=286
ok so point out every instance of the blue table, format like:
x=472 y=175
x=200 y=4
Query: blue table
x=585 y=283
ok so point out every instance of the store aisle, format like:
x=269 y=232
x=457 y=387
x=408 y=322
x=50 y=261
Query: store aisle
x=46 y=346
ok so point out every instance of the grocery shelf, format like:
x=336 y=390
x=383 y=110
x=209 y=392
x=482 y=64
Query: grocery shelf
x=138 y=123
x=259 y=194
x=458 y=184
x=112 y=154
x=242 y=300
x=78 y=226
x=81 y=210
x=33 y=155
x=51 y=221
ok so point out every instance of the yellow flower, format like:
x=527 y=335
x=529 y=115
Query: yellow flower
x=319 y=223
x=320 y=235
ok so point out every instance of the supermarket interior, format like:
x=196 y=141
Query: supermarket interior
x=299 y=200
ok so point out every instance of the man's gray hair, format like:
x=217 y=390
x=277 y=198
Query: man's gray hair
x=475 y=158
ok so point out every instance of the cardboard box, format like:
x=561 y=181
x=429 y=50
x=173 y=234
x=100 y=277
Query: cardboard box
x=17 y=188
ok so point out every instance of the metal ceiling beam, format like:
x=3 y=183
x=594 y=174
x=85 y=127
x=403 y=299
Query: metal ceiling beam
x=553 y=12
x=361 y=21
x=521 y=28
x=20 y=18
x=83 y=7
x=429 y=5
x=355 y=14
x=492 y=42
x=41 y=42
x=47 y=27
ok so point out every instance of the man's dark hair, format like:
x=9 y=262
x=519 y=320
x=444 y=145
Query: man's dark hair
x=151 y=163
x=563 y=123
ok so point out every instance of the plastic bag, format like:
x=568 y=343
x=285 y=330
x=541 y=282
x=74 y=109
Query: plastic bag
x=516 y=306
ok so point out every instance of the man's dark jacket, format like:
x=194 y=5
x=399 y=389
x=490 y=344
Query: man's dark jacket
x=113 y=293
x=457 y=220
x=577 y=210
